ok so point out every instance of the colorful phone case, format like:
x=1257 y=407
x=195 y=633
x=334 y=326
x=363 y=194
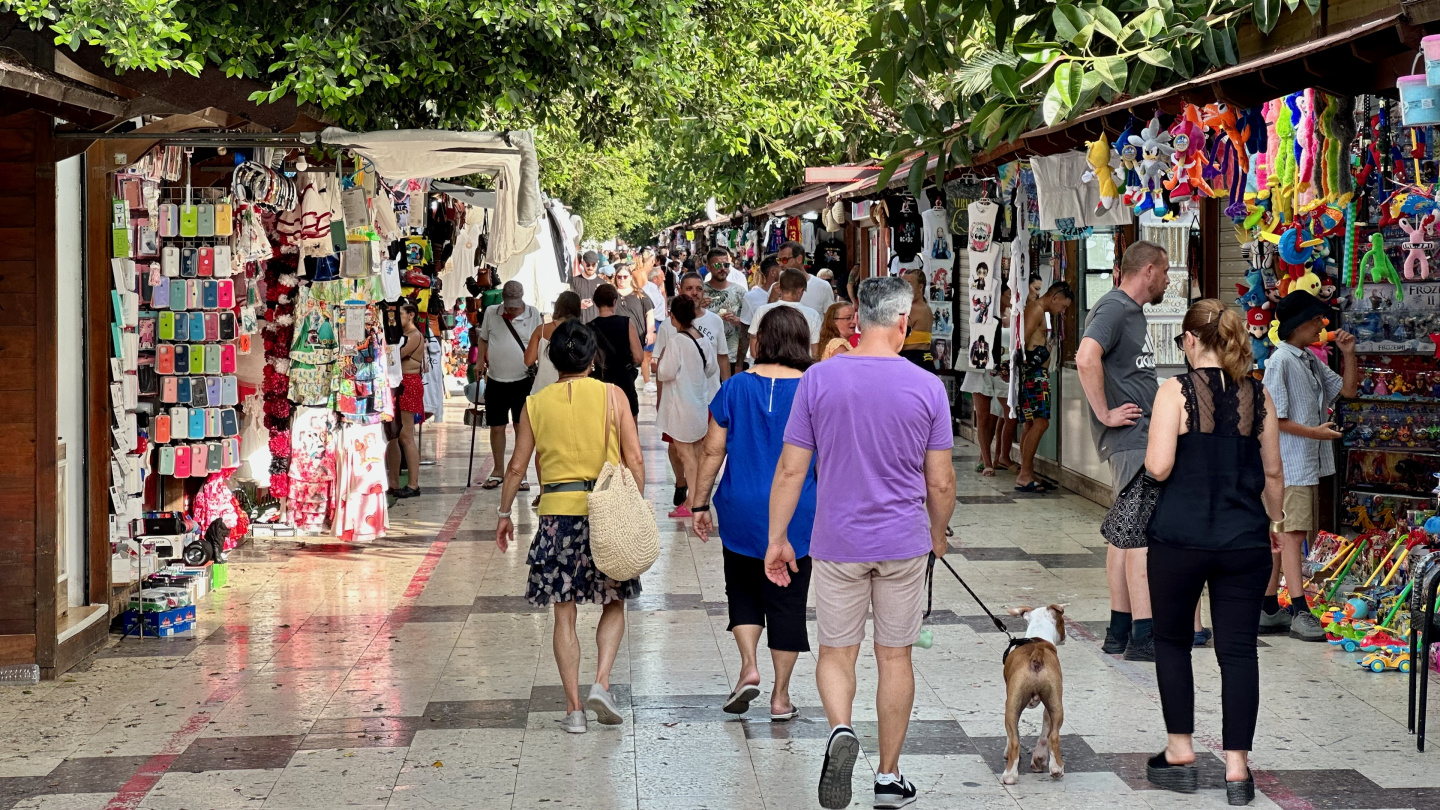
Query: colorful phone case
x=225 y=293
x=192 y=295
x=182 y=358
x=170 y=261
x=212 y=326
x=209 y=294
x=212 y=360
x=197 y=328
x=166 y=327
x=197 y=356
x=213 y=458
x=162 y=429
x=230 y=450
x=227 y=325
x=182 y=461
x=189 y=264
x=179 y=422
x=222 y=261
x=197 y=423
x=214 y=390
x=230 y=391
x=169 y=220
x=198 y=453
x=160 y=295
x=205 y=221
x=212 y=423
x=184 y=391
x=189 y=221
x=207 y=261
x=229 y=425
x=167 y=461
x=227 y=359
x=165 y=358
x=223 y=221
x=169 y=388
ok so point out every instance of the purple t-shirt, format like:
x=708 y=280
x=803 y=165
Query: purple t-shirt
x=870 y=421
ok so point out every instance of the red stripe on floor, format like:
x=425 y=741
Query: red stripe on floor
x=135 y=789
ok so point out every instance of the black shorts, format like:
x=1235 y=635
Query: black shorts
x=754 y=599
x=505 y=400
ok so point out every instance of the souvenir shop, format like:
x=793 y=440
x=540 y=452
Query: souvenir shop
x=255 y=290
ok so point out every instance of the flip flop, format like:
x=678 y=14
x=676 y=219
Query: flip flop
x=739 y=700
x=785 y=717
x=988 y=472
x=1032 y=488
x=524 y=485
x=492 y=482
x=1046 y=486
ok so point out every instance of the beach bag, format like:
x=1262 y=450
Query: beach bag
x=624 y=537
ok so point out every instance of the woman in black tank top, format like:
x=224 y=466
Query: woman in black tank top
x=1214 y=442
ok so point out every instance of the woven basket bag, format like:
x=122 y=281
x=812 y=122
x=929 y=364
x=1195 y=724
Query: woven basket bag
x=624 y=537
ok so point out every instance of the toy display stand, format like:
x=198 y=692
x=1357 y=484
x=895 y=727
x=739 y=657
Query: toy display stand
x=1423 y=634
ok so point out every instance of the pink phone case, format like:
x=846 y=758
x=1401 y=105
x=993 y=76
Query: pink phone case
x=225 y=293
x=168 y=392
x=182 y=461
x=197 y=459
x=212 y=326
x=227 y=359
x=207 y=261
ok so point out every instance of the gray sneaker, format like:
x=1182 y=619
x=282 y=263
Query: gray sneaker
x=1275 y=624
x=1306 y=627
x=575 y=722
x=603 y=705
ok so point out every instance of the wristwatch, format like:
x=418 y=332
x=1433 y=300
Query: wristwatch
x=501 y=513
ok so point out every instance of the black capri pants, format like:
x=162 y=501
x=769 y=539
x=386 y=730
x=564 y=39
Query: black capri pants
x=754 y=599
x=1237 y=580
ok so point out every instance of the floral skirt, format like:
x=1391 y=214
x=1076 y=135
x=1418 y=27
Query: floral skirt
x=561 y=569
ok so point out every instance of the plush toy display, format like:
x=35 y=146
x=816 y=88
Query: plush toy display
x=1128 y=156
x=1155 y=154
x=1380 y=267
x=1099 y=155
x=1187 y=179
x=1257 y=323
x=1416 y=246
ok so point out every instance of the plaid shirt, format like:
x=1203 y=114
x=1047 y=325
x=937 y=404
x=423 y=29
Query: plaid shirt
x=1304 y=391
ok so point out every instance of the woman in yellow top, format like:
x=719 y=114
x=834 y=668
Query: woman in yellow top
x=917 y=335
x=575 y=424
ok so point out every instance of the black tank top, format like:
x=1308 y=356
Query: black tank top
x=1212 y=499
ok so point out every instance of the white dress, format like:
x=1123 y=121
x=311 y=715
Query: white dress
x=688 y=369
x=546 y=373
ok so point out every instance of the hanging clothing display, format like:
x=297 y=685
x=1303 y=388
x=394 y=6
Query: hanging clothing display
x=907 y=228
x=362 y=512
x=1066 y=201
x=983 y=254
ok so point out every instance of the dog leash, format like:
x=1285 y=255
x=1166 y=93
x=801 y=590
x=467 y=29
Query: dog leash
x=930 y=603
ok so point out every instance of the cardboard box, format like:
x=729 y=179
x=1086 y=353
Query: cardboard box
x=159 y=622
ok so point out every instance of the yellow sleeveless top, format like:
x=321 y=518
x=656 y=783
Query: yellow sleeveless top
x=566 y=419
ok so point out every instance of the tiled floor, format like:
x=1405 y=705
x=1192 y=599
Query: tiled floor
x=411 y=674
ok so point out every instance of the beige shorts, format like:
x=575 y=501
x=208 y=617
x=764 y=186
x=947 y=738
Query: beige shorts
x=846 y=592
x=1299 y=506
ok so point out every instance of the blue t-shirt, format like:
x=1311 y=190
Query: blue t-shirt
x=754 y=411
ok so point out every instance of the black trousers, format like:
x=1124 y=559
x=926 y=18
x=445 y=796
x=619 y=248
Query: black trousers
x=1237 y=581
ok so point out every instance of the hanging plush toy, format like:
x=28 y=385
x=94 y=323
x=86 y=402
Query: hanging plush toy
x=1257 y=323
x=1416 y=246
x=1098 y=155
x=1187 y=179
x=1260 y=254
x=1128 y=155
x=1252 y=292
x=1228 y=161
x=1380 y=267
x=1155 y=154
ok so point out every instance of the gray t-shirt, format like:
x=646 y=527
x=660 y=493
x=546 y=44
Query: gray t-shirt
x=1118 y=324
x=585 y=288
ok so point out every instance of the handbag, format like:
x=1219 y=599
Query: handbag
x=532 y=369
x=624 y=537
x=1127 y=524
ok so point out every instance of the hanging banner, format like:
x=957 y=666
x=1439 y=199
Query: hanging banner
x=984 y=258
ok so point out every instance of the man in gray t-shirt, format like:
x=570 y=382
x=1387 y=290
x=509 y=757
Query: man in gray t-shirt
x=1116 y=362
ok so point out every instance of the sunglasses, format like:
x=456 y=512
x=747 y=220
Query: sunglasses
x=1180 y=341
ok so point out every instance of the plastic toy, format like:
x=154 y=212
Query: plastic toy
x=1155 y=152
x=1381 y=661
x=1100 y=157
x=1380 y=267
x=1416 y=246
x=1346 y=637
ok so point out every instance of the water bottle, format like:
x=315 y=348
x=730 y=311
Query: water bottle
x=926 y=639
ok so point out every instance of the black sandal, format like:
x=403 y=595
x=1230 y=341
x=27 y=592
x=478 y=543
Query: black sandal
x=1240 y=793
x=1179 y=778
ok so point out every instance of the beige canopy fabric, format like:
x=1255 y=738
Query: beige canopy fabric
x=404 y=154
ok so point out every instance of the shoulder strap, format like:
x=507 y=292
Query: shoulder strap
x=704 y=364
x=605 y=454
x=513 y=333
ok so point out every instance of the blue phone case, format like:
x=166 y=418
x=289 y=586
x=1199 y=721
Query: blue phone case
x=229 y=426
x=196 y=333
x=183 y=393
x=209 y=294
x=177 y=294
x=189 y=263
x=214 y=390
x=182 y=358
x=197 y=423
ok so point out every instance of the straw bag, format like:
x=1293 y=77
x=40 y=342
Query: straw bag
x=624 y=538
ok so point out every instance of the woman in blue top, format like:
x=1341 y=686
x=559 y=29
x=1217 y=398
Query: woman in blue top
x=747 y=425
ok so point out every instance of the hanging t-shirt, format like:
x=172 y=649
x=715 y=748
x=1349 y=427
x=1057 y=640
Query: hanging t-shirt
x=938 y=244
x=830 y=255
x=903 y=214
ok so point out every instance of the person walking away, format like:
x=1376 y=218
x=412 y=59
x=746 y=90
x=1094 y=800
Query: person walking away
x=1035 y=380
x=1116 y=363
x=747 y=430
x=818 y=293
x=1215 y=443
x=917 y=348
x=636 y=305
x=792 y=287
x=725 y=296
x=712 y=328
x=504 y=336
x=620 y=351
x=408 y=404
x=537 y=353
x=584 y=285
x=885 y=491
x=759 y=295
x=837 y=331
x=688 y=370
x=573 y=427
x=1304 y=390
x=654 y=289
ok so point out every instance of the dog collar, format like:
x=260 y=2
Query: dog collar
x=1015 y=642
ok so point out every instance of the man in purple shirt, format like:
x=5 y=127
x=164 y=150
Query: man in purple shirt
x=885 y=491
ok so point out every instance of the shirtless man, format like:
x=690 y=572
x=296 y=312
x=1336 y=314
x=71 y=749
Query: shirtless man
x=922 y=320
x=1035 y=380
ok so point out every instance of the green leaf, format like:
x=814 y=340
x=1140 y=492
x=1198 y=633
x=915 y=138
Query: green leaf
x=1227 y=44
x=1141 y=78
x=1159 y=58
x=1208 y=41
x=887 y=169
x=913 y=118
x=1052 y=108
x=1106 y=22
x=1292 y=4
x=1266 y=13
x=1112 y=70
x=1184 y=60
x=917 y=174
x=1067 y=83
x=1314 y=6
x=898 y=26
x=1006 y=80
x=1071 y=24
x=960 y=153
x=987 y=122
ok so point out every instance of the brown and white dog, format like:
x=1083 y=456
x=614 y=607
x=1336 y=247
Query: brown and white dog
x=1032 y=677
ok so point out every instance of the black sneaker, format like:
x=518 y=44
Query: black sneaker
x=407 y=492
x=892 y=793
x=1143 y=651
x=840 y=755
x=1114 y=645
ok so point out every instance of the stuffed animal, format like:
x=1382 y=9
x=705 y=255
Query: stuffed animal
x=1380 y=267
x=1099 y=156
x=1416 y=246
x=1187 y=178
x=1155 y=154
x=1128 y=155
x=1257 y=323
x=1253 y=296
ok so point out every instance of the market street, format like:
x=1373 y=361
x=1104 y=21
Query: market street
x=411 y=673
